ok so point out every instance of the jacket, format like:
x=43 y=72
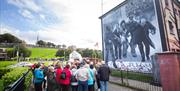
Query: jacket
x=39 y=76
x=58 y=73
x=104 y=72
x=68 y=76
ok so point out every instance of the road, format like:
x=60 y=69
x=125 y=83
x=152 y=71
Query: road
x=113 y=87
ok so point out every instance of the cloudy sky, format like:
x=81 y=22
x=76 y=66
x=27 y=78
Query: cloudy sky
x=70 y=22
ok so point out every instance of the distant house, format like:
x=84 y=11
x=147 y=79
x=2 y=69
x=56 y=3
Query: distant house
x=3 y=54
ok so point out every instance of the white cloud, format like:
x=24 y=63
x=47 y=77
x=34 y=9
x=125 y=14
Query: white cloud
x=80 y=26
x=26 y=14
x=42 y=16
x=26 y=4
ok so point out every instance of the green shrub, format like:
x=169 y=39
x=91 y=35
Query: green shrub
x=4 y=71
x=13 y=75
x=28 y=81
x=1 y=85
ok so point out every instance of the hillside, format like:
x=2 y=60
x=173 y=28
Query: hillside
x=42 y=52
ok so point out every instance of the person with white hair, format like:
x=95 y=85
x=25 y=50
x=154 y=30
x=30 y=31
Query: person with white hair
x=103 y=75
x=51 y=81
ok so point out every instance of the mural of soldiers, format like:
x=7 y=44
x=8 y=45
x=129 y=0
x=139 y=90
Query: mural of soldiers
x=131 y=26
x=148 y=28
x=109 y=45
x=117 y=41
x=124 y=38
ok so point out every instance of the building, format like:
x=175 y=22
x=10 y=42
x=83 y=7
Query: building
x=3 y=54
x=170 y=12
x=135 y=30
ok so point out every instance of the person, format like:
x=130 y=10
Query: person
x=38 y=78
x=82 y=77
x=45 y=70
x=117 y=41
x=131 y=27
x=51 y=81
x=104 y=72
x=124 y=38
x=148 y=28
x=97 y=76
x=74 y=82
x=65 y=82
x=58 y=73
x=91 y=78
x=109 y=46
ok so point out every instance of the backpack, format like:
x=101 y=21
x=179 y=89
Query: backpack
x=63 y=75
x=73 y=78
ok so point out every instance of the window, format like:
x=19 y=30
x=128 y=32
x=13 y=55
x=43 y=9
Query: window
x=171 y=27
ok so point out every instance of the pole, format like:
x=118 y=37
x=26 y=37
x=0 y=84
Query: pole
x=64 y=55
x=102 y=7
x=18 y=53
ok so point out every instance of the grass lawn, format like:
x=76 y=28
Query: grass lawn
x=43 y=52
x=6 y=63
x=133 y=75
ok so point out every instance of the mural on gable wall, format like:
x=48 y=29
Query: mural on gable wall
x=131 y=33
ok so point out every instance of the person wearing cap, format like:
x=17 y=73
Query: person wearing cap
x=104 y=72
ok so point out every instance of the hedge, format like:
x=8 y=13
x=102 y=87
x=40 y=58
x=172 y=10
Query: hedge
x=14 y=75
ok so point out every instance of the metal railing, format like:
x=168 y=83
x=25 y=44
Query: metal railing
x=18 y=85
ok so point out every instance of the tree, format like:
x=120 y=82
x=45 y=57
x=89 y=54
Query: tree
x=21 y=49
x=87 y=52
x=41 y=43
x=60 y=53
x=9 y=38
x=64 y=46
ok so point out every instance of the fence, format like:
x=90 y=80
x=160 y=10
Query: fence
x=135 y=80
x=18 y=85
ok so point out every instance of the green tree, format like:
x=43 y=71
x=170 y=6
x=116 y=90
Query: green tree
x=21 y=49
x=87 y=52
x=41 y=43
x=9 y=38
x=60 y=53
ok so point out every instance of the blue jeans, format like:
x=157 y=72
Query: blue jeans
x=83 y=86
x=103 y=85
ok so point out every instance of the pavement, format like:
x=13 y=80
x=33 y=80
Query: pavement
x=143 y=86
x=113 y=87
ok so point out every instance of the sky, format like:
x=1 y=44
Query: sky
x=69 y=22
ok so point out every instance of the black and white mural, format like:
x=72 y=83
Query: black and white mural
x=131 y=33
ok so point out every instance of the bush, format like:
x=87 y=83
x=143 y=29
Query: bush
x=1 y=85
x=13 y=75
x=28 y=81
x=4 y=71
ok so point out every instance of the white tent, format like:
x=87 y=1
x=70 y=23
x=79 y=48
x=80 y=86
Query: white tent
x=74 y=55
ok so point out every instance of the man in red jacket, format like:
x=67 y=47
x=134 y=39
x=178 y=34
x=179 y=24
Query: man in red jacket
x=65 y=82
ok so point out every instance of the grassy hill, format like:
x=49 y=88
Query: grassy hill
x=43 y=52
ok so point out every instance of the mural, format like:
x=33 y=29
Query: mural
x=131 y=33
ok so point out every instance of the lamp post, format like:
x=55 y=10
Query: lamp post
x=17 y=54
x=64 y=55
